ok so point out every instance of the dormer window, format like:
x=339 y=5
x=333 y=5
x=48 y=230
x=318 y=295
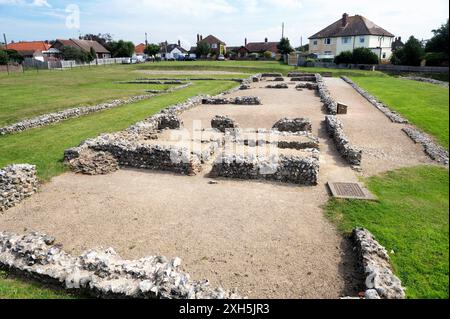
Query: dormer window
x=327 y=41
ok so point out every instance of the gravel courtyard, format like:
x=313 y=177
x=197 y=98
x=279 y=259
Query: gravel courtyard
x=265 y=239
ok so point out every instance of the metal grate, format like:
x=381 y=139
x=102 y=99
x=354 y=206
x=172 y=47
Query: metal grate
x=349 y=190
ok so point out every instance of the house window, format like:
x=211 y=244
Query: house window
x=214 y=46
x=362 y=39
x=384 y=55
x=346 y=40
x=328 y=53
x=327 y=41
x=315 y=42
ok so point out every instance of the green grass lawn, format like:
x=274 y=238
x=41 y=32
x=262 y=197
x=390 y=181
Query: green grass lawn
x=411 y=219
x=45 y=146
x=425 y=105
x=18 y=288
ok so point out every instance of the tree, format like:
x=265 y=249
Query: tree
x=203 y=49
x=3 y=57
x=364 y=56
x=14 y=56
x=303 y=48
x=152 y=49
x=70 y=53
x=92 y=54
x=121 y=48
x=344 y=57
x=267 y=54
x=439 y=42
x=413 y=52
x=398 y=57
x=284 y=46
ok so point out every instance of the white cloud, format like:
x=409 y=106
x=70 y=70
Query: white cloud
x=34 y=3
x=41 y=3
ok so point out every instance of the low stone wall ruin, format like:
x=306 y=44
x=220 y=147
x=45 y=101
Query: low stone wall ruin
x=374 y=261
x=427 y=80
x=271 y=75
x=307 y=85
x=335 y=130
x=434 y=151
x=325 y=96
x=277 y=86
x=293 y=125
x=223 y=123
x=299 y=74
x=240 y=100
x=101 y=273
x=304 y=78
x=17 y=182
x=284 y=168
x=392 y=115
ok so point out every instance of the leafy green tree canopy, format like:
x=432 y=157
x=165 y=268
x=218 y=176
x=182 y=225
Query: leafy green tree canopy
x=3 y=57
x=344 y=57
x=152 y=49
x=285 y=46
x=203 y=49
x=121 y=49
x=364 y=56
x=439 y=42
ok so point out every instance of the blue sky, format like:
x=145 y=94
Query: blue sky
x=230 y=20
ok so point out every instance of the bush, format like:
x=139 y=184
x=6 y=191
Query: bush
x=397 y=57
x=364 y=56
x=436 y=59
x=413 y=52
x=70 y=53
x=267 y=55
x=345 y=57
x=3 y=57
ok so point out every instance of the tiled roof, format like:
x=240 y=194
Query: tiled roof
x=84 y=45
x=170 y=48
x=210 y=39
x=356 y=25
x=29 y=46
x=139 y=49
x=262 y=47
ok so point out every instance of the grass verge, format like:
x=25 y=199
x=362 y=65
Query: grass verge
x=411 y=219
x=425 y=105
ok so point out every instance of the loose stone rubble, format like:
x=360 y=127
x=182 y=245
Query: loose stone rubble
x=169 y=121
x=94 y=163
x=240 y=100
x=282 y=168
x=434 y=151
x=277 y=86
x=102 y=273
x=50 y=118
x=373 y=258
x=335 y=130
x=223 y=123
x=293 y=125
x=427 y=80
x=16 y=183
x=392 y=115
x=278 y=79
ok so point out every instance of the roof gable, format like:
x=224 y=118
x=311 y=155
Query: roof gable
x=139 y=48
x=29 y=46
x=210 y=39
x=356 y=25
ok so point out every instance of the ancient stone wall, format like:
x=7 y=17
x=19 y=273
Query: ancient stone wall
x=223 y=123
x=335 y=130
x=427 y=80
x=271 y=75
x=307 y=85
x=16 y=183
x=102 y=273
x=374 y=260
x=434 y=151
x=293 y=125
x=277 y=86
x=284 y=168
x=325 y=96
x=240 y=100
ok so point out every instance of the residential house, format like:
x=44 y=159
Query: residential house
x=261 y=47
x=171 y=51
x=397 y=44
x=139 y=50
x=349 y=33
x=31 y=49
x=216 y=45
x=83 y=45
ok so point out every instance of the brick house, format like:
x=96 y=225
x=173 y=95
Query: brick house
x=83 y=45
x=216 y=45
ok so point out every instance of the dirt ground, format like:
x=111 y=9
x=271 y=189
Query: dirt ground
x=268 y=240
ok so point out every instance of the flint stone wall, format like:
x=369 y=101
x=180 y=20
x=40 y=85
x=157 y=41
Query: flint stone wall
x=101 y=273
x=293 y=125
x=325 y=96
x=392 y=115
x=223 y=123
x=298 y=74
x=374 y=260
x=286 y=169
x=427 y=80
x=307 y=85
x=434 y=151
x=240 y=100
x=271 y=75
x=281 y=139
x=277 y=86
x=278 y=79
x=335 y=130
x=304 y=78
x=94 y=163
x=17 y=182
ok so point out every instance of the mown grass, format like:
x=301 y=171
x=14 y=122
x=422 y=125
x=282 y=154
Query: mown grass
x=425 y=105
x=45 y=146
x=18 y=288
x=411 y=219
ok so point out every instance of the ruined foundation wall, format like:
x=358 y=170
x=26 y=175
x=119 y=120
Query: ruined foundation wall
x=16 y=183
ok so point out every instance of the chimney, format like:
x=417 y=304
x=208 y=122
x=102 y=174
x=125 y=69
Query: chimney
x=201 y=37
x=265 y=40
x=179 y=43
x=198 y=38
x=245 y=41
x=344 y=19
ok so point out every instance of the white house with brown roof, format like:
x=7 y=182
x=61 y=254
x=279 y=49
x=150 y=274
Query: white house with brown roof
x=351 y=32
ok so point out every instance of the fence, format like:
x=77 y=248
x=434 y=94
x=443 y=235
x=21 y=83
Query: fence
x=33 y=63
x=11 y=68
